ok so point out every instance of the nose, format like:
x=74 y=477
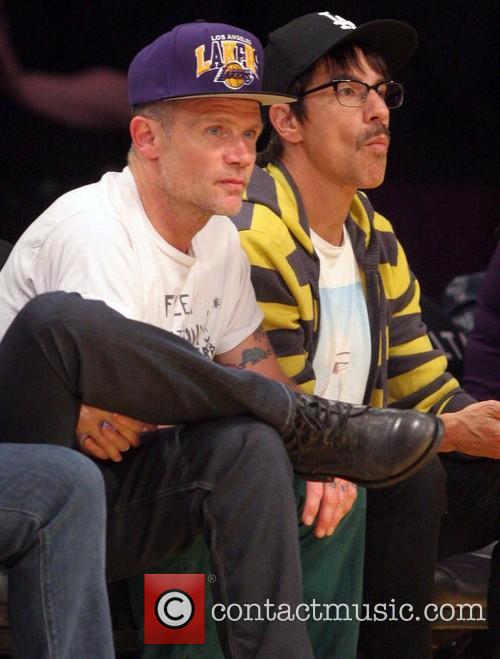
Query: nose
x=375 y=109
x=241 y=152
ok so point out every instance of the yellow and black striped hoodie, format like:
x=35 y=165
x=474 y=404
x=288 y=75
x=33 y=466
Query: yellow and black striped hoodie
x=405 y=371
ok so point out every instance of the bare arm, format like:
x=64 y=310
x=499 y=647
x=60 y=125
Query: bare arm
x=255 y=353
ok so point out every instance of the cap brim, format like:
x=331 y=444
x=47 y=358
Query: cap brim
x=394 y=40
x=263 y=98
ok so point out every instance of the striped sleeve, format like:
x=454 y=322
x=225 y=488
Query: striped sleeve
x=288 y=309
x=417 y=374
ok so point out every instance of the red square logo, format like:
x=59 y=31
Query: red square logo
x=174 y=609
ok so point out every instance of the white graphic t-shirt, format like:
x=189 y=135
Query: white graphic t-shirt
x=97 y=241
x=342 y=358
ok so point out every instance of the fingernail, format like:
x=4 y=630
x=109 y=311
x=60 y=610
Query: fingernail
x=330 y=532
x=308 y=521
x=320 y=534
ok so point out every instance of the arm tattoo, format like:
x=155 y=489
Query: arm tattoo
x=254 y=355
x=251 y=356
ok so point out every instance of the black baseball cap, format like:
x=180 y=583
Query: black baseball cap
x=293 y=48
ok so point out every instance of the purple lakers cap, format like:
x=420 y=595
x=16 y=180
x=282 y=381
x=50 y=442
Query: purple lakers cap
x=201 y=59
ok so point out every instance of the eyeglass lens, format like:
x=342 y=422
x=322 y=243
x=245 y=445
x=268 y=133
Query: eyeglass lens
x=352 y=93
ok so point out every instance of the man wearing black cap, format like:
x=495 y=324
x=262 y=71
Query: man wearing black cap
x=342 y=313
x=165 y=280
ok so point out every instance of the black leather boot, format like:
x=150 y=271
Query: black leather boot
x=366 y=445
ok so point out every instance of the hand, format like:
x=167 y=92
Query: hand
x=106 y=435
x=328 y=503
x=475 y=430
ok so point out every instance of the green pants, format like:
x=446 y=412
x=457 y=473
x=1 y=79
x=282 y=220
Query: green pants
x=332 y=572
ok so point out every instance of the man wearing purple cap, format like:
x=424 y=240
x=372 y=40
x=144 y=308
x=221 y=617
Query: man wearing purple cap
x=167 y=290
x=342 y=313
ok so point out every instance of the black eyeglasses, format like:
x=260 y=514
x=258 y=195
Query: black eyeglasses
x=353 y=93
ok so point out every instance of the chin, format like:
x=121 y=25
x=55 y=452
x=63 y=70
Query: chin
x=373 y=180
x=371 y=185
x=230 y=208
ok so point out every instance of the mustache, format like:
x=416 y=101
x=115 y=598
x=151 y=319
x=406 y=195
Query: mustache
x=371 y=133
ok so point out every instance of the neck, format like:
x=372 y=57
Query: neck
x=176 y=225
x=326 y=202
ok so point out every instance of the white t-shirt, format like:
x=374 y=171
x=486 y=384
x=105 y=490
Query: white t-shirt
x=342 y=358
x=97 y=241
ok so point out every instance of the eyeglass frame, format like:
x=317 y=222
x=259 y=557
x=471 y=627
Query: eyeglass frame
x=336 y=81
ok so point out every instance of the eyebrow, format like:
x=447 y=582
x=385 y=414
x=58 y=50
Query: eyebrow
x=344 y=75
x=208 y=117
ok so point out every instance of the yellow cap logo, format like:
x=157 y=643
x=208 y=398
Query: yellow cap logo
x=232 y=57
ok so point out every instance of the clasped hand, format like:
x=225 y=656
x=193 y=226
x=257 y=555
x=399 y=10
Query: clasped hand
x=106 y=435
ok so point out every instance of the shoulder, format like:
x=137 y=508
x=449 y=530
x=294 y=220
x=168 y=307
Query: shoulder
x=263 y=217
x=81 y=219
x=74 y=209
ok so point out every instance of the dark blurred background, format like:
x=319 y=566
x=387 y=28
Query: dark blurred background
x=442 y=189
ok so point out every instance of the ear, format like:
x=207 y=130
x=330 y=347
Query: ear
x=285 y=123
x=144 y=134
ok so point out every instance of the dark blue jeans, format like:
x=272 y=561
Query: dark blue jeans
x=52 y=524
x=225 y=474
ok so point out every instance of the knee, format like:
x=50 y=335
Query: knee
x=84 y=476
x=79 y=470
x=51 y=317
x=56 y=486
x=45 y=310
x=79 y=482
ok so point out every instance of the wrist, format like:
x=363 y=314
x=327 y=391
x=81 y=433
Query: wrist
x=450 y=441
